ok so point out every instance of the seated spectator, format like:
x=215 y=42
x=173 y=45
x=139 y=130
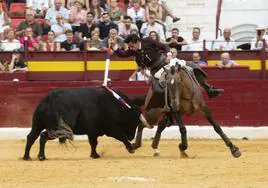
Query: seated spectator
x=173 y=59
x=52 y=14
x=86 y=28
x=154 y=35
x=32 y=42
x=95 y=43
x=105 y=25
x=113 y=35
x=4 y=21
x=114 y=12
x=60 y=28
x=96 y=9
x=126 y=27
x=38 y=6
x=29 y=22
x=152 y=25
x=226 y=62
x=77 y=16
x=197 y=60
x=49 y=45
x=70 y=4
x=257 y=42
x=69 y=44
x=175 y=41
x=225 y=42
x=137 y=13
x=16 y=64
x=154 y=6
x=10 y=44
x=140 y=75
x=196 y=44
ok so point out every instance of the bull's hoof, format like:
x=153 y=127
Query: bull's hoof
x=41 y=157
x=131 y=149
x=184 y=155
x=95 y=155
x=236 y=152
x=136 y=146
x=27 y=158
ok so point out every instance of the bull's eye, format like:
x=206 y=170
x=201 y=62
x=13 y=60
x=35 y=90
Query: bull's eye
x=172 y=81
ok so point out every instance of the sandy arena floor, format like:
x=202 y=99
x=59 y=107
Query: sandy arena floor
x=211 y=166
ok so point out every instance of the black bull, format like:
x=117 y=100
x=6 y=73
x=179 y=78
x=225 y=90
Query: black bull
x=92 y=111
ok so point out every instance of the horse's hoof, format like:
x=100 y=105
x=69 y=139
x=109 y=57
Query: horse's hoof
x=41 y=157
x=184 y=155
x=135 y=146
x=95 y=156
x=236 y=152
x=156 y=153
x=27 y=158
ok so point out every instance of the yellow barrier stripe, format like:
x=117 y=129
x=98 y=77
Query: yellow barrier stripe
x=266 y=64
x=36 y=66
x=253 y=64
x=114 y=65
x=52 y=66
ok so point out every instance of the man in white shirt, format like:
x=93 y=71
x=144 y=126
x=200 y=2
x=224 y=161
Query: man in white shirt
x=39 y=6
x=52 y=12
x=60 y=28
x=196 y=44
x=225 y=42
x=257 y=42
x=126 y=27
x=152 y=25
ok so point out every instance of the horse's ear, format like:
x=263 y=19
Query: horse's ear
x=172 y=69
x=177 y=67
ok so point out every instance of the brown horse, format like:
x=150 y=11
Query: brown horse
x=184 y=98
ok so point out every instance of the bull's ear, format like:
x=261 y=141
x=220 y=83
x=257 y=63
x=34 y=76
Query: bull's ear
x=138 y=100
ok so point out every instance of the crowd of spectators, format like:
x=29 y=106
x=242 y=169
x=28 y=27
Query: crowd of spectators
x=76 y=25
x=91 y=21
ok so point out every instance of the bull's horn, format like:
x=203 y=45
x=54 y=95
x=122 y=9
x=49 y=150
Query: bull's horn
x=145 y=122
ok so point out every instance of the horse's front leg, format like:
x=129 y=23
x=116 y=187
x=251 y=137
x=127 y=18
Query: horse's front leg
x=184 y=144
x=234 y=150
x=161 y=126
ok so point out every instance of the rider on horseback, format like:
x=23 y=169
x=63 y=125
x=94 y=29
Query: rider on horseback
x=148 y=53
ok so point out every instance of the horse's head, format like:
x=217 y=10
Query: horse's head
x=173 y=83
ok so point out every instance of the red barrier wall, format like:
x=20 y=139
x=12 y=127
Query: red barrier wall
x=244 y=102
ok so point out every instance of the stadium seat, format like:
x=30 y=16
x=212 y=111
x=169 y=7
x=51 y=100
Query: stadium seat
x=15 y=22
x=17 y=10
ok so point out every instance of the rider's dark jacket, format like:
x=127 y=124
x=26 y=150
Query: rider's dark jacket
x=150 y=54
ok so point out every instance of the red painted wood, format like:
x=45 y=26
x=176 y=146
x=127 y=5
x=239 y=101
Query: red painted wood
x=244 y=102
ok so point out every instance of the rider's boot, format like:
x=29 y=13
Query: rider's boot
x=211 y=91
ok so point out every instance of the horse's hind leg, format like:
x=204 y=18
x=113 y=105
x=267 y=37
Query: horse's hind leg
x=183 y=145
x=31 y=137
x=234 y=150
x=138 y=141
x=44 y=137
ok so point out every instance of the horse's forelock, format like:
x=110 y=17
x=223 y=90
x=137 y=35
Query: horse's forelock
x=172 y=70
